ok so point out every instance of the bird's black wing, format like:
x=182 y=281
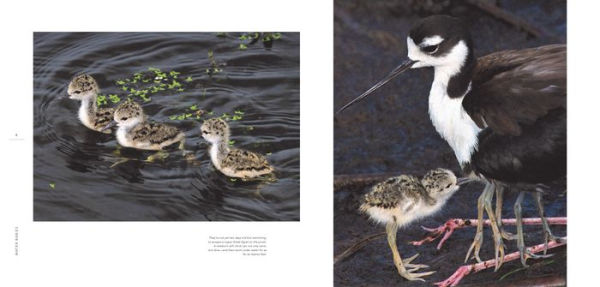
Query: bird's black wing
x=516 y=87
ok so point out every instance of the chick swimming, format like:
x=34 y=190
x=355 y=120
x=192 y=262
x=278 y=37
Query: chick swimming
x=230 y=161
x=84 y=88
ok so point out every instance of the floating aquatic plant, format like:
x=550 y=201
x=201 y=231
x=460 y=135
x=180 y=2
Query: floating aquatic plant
x=191 y=112
x=267 y=38
x=114 y=98
x=52 y=185
x=143 y=83
x=101 y=100
x=214 y=66
x=225 y=116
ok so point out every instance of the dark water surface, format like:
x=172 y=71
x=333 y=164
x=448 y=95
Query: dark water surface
x=262 y=82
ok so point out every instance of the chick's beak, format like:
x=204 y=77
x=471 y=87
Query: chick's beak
x=110 y=125
x=463 y=180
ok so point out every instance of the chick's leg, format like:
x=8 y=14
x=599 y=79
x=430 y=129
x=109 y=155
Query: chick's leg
x=391 y=230
x=161 y=154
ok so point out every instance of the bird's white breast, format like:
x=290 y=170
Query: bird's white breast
x=122 y=137
x=84 y=115
x=452 y=121
x=214 y=155
x=405 y=213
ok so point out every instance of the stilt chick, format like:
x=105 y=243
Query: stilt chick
x=230 y=161
x=135 y=132
x=401 y=200
x=85 y=89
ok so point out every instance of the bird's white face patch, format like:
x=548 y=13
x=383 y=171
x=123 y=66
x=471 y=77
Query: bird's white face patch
x=430 y=41
x=451 y=61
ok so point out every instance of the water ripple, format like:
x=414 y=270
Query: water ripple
x=73 y=177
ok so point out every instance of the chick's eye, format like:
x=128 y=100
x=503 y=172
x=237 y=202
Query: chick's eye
x=124 y=118
x=449 y=185
x=77 y=92
x=430 y=49
x=204 y=132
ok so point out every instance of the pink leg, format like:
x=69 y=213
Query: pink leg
x=457 y=223
x=465 y=270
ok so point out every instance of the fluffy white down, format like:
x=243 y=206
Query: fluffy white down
x=214 y=151
x=386 y=215
x=83 y=114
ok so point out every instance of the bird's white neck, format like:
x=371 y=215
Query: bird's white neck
x=218 y=151
x=132 y=123
x=450 y=118
x=87 y=111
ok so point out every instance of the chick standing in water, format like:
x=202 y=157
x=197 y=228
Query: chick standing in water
x=400 y=200
x=230 y=161
x=84 y=88
x=135 y=132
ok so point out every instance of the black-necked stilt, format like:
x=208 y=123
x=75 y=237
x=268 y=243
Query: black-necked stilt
x=403 y=199
x=503 y=114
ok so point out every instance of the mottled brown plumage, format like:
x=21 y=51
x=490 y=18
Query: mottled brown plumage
x=404 y=198
x=389 y=193
x=400 y=200
x=134 y=131
x=231 y=161
x=85 y=89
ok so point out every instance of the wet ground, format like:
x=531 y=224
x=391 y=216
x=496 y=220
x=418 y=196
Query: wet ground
x=391 y=132
x=256 y=83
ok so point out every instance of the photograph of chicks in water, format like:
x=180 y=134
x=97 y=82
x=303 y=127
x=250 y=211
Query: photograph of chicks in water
x=450 y=143
x=167 y=126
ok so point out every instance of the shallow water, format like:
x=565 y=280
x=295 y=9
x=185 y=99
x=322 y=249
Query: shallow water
x=73 y=179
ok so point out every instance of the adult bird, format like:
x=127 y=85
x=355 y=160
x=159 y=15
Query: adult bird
x=503 y=114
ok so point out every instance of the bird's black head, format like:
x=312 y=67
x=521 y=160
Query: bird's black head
x=437 y=41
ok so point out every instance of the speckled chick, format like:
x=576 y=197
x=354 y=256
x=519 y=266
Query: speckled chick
x=85 y=89
x=405 y=198
x=135 y=132
x=231 y=161
x=400 y=200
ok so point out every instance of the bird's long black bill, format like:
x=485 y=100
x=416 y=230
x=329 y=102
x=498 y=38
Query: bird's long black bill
x=463 y=180
x=110 y=125
x=397 y=71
